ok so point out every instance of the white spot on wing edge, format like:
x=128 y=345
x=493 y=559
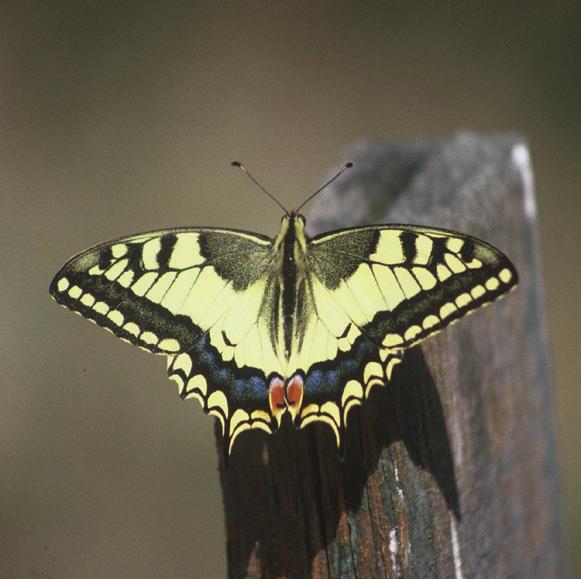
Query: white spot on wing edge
x=101 y=308
x=412 y=332
x=169 y=345
x=116 y=317
x=63 y=284
x=75 y=292
x=492 y=284
x=88 y=300
x=522 y=162
x=183 y=362
x=132 y=328
x=505 y=275
x=149 y=338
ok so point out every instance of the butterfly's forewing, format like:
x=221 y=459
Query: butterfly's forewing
x=197 y=296
x=376 y=291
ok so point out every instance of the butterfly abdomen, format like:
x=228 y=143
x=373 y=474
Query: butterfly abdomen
x=289 y=294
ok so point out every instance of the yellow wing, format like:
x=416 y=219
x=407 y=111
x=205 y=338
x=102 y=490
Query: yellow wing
x=198 y=296
x=376 y=291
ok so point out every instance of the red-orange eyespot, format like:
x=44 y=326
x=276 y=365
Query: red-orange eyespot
x=276 y=395
x=294 y=391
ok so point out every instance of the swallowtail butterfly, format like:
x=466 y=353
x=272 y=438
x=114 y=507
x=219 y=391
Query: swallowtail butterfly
x=257 y=328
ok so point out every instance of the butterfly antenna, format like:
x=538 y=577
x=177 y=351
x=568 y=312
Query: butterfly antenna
x=241 y=166
x=343 y=169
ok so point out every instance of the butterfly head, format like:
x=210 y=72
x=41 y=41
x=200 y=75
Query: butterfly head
x=294 y=219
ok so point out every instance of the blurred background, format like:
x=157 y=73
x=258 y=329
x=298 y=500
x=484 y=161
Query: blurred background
x=118 y=117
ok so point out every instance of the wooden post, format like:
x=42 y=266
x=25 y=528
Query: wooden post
x=450 y=470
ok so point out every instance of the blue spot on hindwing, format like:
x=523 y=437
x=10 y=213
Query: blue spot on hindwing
x=253 y=388
x=347 y=366
x=223 y=375
x=325 y=378
x=314 y=381
x=257 y=386
x=331 y=379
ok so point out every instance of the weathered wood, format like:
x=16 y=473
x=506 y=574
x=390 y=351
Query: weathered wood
x=449 y=470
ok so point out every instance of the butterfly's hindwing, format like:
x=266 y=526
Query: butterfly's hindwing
x=333 y=388
x=238 y=397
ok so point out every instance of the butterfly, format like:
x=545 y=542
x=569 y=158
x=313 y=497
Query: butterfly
x=257 y=329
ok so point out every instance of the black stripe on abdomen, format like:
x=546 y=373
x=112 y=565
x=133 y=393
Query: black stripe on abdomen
x=289 y=281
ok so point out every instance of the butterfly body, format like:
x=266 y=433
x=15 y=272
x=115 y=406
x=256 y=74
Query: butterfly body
x=255 y=328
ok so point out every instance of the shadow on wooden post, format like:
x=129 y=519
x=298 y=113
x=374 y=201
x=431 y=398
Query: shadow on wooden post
x=314 y=490
x=450 y=469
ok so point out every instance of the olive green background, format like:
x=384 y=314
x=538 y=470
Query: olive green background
x=118 y=117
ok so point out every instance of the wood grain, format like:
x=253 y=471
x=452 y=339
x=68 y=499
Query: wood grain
x=450 y=470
